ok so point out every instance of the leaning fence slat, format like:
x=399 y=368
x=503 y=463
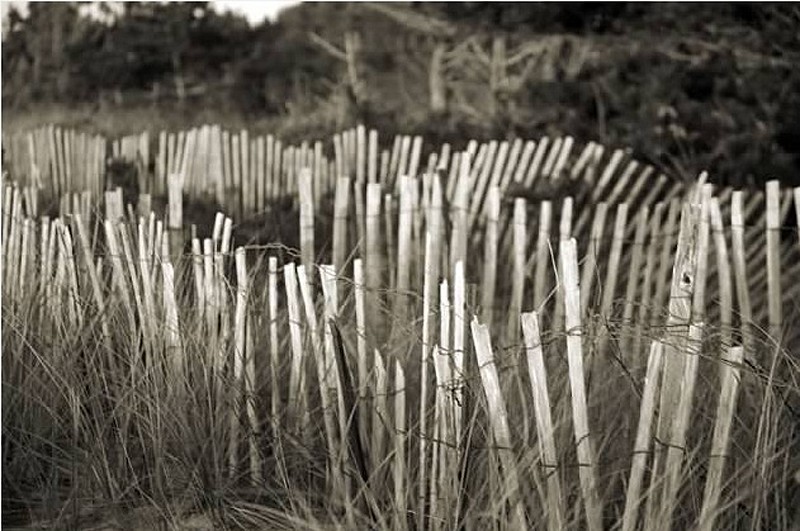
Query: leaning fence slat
x=677 y=324
x=148 y=289
x=622 y=184
x=495 y=156
x=21 y=277
x=723 y=274
x=380 y=413
x=774 y=260
x=459 y=325
x=558 y=168
x=586 y=454
x=641 y=447
x=524 y=161
x=518 y=277
x=608 y=173
x=324 y=378
x=676 y=450
x=146 y=323
x=173 y=342
x=297 y=384
x=740 y=273
x=459 y=211
x=416 y=153
x=394 y=161
x=647 y=277
x=403 y=273
x=119 y=276
x=361 y=347
x=541 y=256
x=490 y=255
x=731 y=368
x=496 y=176
x=550 y=161
x=498 y=417
x=544 y=424
x=340 y=209
x=274 y=362
x=589 y=270
x=452 y=176
x=373 y=258
x=610 y=285
x=662 y=275
x=634 y=273
x=246 y=366
x=306 y=220
x=513 y=158
x=564 y=233
x=399 y=459
x=583 y=159
x=372 y=159
x=430 y=276
x=701 y=265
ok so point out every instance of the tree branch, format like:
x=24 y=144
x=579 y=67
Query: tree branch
x=327 y=46
x=414 y=20
x=480 y=53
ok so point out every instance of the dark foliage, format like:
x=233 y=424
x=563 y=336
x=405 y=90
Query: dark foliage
x=690 y=87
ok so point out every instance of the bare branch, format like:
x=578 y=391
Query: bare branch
x=414 y=20
x=515 y=83
x=480 y=53
x=460 y=49
x=527 y=49
x=327 y=46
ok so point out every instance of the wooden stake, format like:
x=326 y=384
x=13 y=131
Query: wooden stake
x=274 y=362
x=306 y=220
x=518 y=282
x=589 y=270
x=321 y=364
x=723 y=273
x=372 y=169
x=297 y=386
x=174 y=344
x=403 y=277
x=533 y=169
x=498 y=416
x=774 y=260
x=556 y=511
x=564 y=233
x=740 y=273
x=380 y=414
x=399 y=461
x=586 y=454
x=680 y=424
x=641 y=448
x=361 y=349
x=542 y=255
x=610 y=284
x=340 y=210
x=731 y=367
x=490 y=255
x=459 y=345
x=681 y=291
x=634 y=274
x=374 y=258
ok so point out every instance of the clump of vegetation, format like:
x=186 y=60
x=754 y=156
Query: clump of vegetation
x=716 y=92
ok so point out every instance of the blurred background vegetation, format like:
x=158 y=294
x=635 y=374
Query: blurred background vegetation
x=687 y=87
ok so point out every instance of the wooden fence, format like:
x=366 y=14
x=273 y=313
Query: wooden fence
x=437 y=304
